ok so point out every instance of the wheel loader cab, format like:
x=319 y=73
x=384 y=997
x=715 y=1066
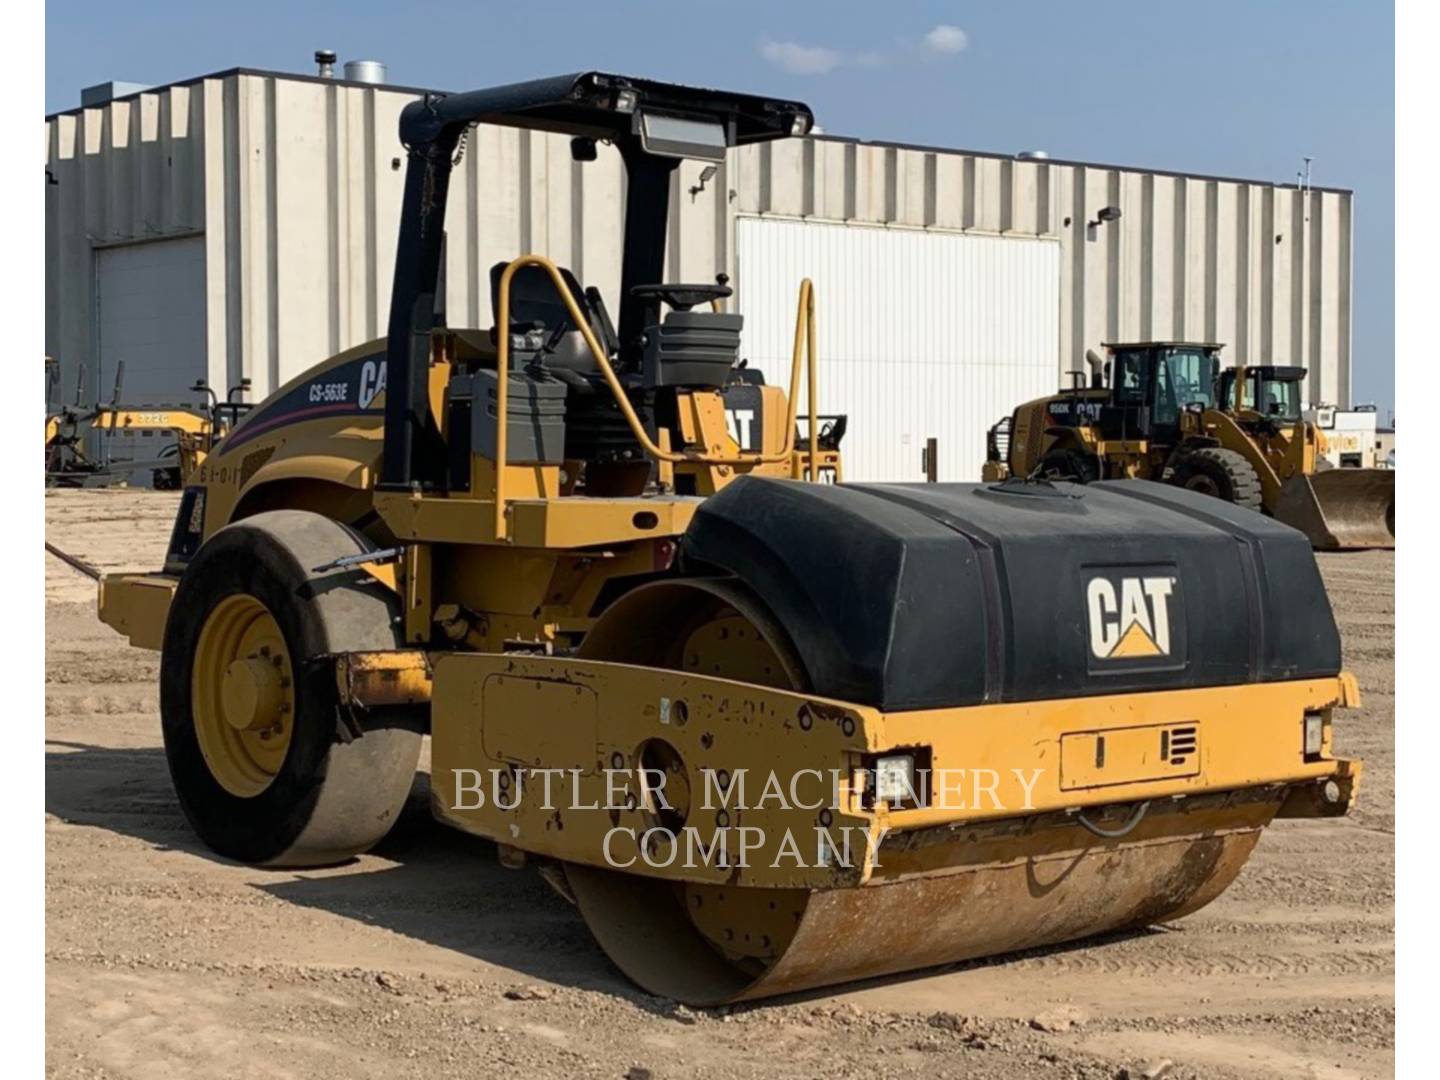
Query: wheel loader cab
x=1145 y=400
x=1272 y=393
x=1153 y=385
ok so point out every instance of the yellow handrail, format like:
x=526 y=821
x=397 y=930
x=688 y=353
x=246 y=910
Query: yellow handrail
x=804 y=315
x=804 y=334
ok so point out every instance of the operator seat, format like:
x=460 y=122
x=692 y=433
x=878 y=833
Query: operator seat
x=535 y=304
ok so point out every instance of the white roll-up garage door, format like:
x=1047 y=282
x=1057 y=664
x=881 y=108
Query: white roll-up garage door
x=921 y=334
x=151 y=314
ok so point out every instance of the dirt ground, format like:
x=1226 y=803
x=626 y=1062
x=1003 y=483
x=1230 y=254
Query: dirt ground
x=427 y=959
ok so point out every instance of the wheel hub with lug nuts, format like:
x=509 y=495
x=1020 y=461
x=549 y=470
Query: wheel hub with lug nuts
x=251 y=694
x=242 y=695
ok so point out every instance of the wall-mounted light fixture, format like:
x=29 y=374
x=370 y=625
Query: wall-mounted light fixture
x=1106 y=214
x=706 y=175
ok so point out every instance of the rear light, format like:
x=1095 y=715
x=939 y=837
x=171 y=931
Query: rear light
x=895 y=778
x=899 y=778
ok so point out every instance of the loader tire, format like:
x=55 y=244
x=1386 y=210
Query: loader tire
x=1225 y=474
x=265 y=767
x=1071 y=465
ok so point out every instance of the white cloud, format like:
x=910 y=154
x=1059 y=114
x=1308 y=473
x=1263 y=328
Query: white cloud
x=801 y=59
x=946 y=39
x=797 y=59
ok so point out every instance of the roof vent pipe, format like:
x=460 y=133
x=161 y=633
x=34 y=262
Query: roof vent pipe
x=365 y=71
x=325 y=58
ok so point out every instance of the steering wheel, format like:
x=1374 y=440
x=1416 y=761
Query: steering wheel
x=682 y=297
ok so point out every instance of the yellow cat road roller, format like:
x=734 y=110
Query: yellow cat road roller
x=799 y=732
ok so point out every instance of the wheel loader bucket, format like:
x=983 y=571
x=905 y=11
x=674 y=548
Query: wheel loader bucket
x=1341 y=509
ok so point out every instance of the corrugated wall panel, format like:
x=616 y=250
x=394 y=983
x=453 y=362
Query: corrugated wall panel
x=207 y=158
x=945 y=339
x=294 y=184
x=302 y=211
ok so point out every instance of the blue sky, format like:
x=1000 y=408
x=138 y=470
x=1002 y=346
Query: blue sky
x=1228 y=87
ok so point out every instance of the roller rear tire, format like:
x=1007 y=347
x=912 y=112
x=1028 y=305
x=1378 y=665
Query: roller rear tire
x=265 y=767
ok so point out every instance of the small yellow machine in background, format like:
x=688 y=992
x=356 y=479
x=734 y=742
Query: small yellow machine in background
x=194 y=431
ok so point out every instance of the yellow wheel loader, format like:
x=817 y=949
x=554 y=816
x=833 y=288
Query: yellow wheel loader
x=766 y=733
x=1336 y=507
x=1165 y=411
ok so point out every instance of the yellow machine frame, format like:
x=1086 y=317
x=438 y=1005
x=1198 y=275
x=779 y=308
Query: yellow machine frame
x=551 y=553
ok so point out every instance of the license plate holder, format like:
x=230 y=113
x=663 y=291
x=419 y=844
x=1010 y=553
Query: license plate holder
x=1091 y=759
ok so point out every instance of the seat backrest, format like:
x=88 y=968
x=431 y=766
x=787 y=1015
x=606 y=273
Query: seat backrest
x=533 y=299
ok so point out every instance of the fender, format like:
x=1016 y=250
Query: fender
x=1232 y=437
x=358 y=473
x=304 y=478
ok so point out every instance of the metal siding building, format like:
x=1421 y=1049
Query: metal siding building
x=281 y=192
x=962 y=326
